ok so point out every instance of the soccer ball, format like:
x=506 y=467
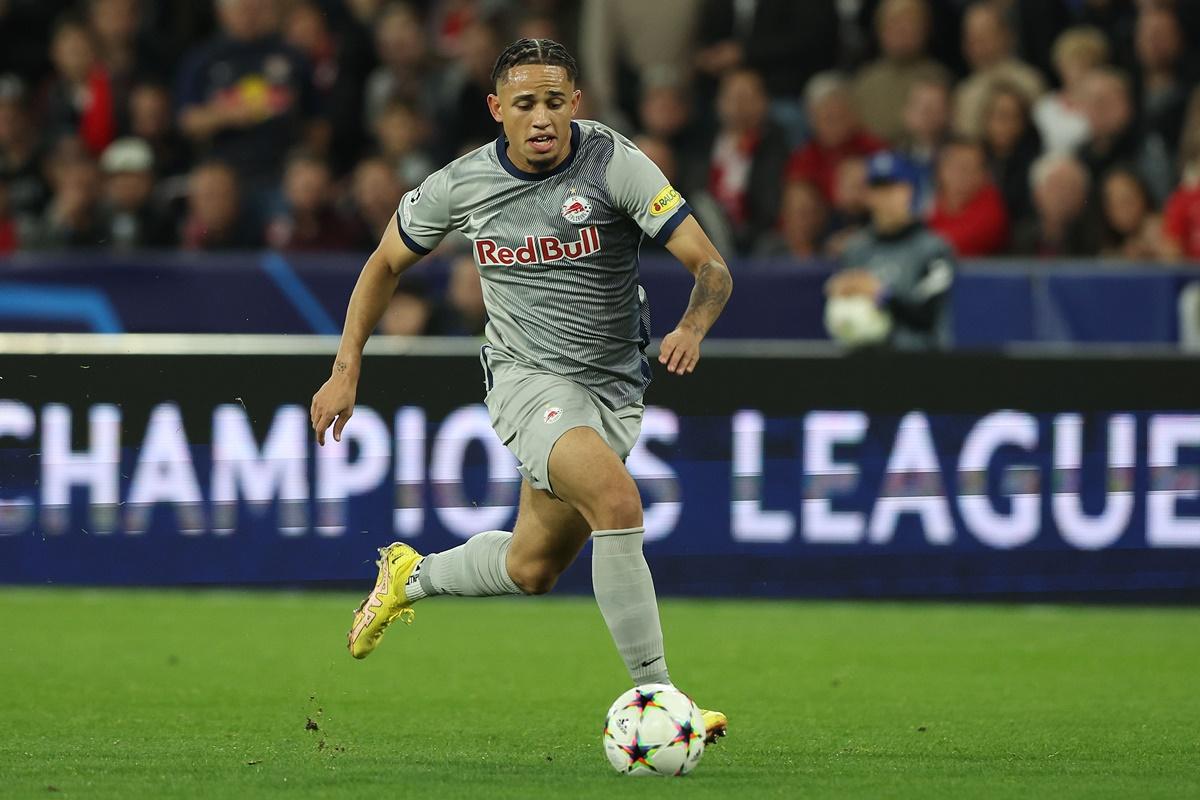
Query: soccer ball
x=857 y=321
x=654 y=729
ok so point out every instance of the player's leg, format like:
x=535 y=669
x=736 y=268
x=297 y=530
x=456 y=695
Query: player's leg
x=547 y=537
x=586 y=472
x=589 y=475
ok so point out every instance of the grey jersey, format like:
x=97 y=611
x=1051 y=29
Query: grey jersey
x=557 y=252
x=916 y=268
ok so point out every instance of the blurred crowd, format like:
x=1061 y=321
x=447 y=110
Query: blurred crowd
x=1045 y=128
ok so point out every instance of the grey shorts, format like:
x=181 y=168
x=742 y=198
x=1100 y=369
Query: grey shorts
x=530 y=409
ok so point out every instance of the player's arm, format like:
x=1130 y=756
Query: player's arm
x=374 y=289
x=690 y=244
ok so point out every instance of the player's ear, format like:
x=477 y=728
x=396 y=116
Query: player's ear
x=493 y=102
x=575 y=98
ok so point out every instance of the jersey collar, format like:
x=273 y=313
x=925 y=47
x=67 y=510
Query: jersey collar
x=517 y=172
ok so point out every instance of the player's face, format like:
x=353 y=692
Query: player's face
x=535 y=103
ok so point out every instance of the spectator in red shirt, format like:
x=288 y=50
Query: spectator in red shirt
x=80 y=98
x=837 y=134
x=746 y=159
x=1181 y=214
x=8 y=225
x=1181 y=219
x=969 y=211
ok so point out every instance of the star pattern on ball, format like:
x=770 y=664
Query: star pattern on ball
x=643 y=700
x=639 y=753
x=685 y=733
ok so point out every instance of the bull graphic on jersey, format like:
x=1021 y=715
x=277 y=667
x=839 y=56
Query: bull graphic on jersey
x=576 y=209
x=538 y=249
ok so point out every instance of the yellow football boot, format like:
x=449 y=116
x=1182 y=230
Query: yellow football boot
x=715 y=725
x=386 y=601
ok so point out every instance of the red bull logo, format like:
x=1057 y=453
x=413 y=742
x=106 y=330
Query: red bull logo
x=538 y=249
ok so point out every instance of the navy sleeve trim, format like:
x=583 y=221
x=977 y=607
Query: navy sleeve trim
x=408 y=240
x=664 y=233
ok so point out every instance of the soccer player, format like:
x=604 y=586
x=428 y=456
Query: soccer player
x=556 y=209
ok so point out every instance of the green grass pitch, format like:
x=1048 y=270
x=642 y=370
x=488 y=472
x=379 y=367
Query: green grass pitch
x=119 y=694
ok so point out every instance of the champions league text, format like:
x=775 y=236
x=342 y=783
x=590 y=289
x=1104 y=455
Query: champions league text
x=1001 y=480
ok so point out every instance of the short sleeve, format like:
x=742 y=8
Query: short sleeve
x=639 y=189
x=424 y=214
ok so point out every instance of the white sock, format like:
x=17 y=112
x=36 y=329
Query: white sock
x=475 y=569
x=624 y=591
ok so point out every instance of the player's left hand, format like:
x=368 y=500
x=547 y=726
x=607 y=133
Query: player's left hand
x=680 y=351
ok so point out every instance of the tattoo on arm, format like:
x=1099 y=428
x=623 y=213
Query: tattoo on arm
x=713 y=286
x=340 y=366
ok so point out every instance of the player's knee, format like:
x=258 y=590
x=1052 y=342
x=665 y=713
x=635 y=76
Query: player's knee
x=626 y=511
x=618 y=509
x=538 y=578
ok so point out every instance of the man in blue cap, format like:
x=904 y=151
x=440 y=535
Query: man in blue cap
x=894 y=284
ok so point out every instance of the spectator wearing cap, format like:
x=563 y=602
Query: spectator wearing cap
x=1061 y=226
x=246 y=97
x=20 y=152
x=897 y=263
x=132 y=218
x=988 y=46
x=214 y=220
x=969 y=212
x=881 y=87
x=837 y=134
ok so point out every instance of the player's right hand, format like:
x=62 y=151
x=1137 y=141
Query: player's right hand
x=333 y=404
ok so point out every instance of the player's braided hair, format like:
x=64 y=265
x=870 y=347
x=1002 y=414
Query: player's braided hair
x=535 y=51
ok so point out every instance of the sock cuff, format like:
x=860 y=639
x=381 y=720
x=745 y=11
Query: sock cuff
x=620 y=531
x=620 y=542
